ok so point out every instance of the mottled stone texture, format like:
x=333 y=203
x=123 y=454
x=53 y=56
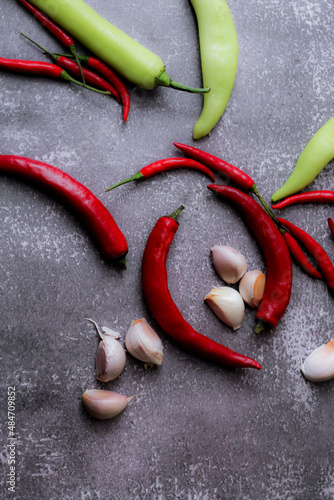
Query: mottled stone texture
x=197 y=431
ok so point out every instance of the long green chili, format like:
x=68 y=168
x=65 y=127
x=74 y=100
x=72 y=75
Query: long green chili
x=135 y=62
x=219 y=58
x=318 y=152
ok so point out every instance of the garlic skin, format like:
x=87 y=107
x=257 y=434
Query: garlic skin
x=251 y=287
x=110 y=356
x=104 y=404
x=230 y=264
x=143 y=343
x=227 y=304
x=319 y=365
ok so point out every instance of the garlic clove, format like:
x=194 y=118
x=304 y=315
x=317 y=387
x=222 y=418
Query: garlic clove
x=251 y=287
x=104 y=404
x=143 y=342
x=227 y=304
x=229 y=263
x=110 y=356
x=110 y=359
x=319 y=365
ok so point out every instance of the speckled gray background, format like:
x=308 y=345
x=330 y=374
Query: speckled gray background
x=199 y=431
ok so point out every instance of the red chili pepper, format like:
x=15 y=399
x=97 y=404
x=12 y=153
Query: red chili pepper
x=55 y=30
x=308 y=197
x=231 y=173
x=114 y=79
x=86 y=205
x=163 y=166
x=315 y=249
x=74 y=69
x=299 y=256
x=90 y=77
x=276 y=253
x=164 y=309
x=39 y=68
x=93 y=62
x=331 y=225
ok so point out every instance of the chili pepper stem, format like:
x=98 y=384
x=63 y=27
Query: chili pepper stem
x=66 y=76
x=121 y=262
x=75 y=55
x=185 y=88
x=261 y=327
x=264 y=204
x=136 y=177
x=64 y=73
x=165 y=81
x=175 y=214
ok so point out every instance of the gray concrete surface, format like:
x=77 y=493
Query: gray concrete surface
x=198 y=431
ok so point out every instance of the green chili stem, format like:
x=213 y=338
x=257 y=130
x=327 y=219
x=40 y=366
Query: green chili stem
x=64 y=73
x=74 y=53
x=193 y=90
x=121 y=262
x=164 y=80
x=261 y=327
x=66 y=76
x=135 y=177
x=264 y=204
x=175 y=214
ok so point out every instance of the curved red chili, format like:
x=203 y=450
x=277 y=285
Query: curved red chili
x=276 y=253
x=54 y=29
x=315 y=249
x=90 y=77
x=113 y=78
x=164 y=165
x=74 y=69
x=86 y=205
x=299 y=256
x=39 y=68
x=308 y=197
x=331 y=225
x=231 y=173
x=163 y=308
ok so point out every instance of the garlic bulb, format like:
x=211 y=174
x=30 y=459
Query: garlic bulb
x=143 y=343
x=251 y=287
x=319 y=365
x=229 y=263
x=227 y=304
x=110 y=356
x=104 y=404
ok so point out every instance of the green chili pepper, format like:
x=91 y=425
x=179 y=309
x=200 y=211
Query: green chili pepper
x=219 y=58
x=136 y=63
x=315 y=156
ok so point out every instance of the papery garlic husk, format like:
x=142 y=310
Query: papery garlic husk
x=251 y=287
x=104 y=404
x=319 y=365
x=227 y=304
x=144 y=343
x=110 y=356
x=229 y=263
